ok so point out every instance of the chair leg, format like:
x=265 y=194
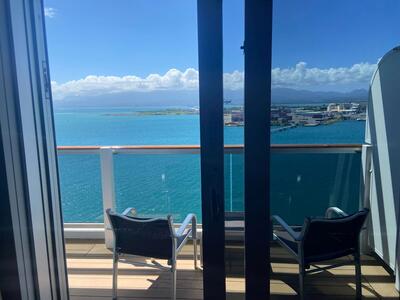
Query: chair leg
x=173 y=273
x=302 y=274
x=195 y=253
x=115 y=275
x=357 y=263
x=201 y=251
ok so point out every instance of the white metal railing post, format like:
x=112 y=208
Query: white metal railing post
x=108 y=191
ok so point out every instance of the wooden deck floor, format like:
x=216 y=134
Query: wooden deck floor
x=90 y=269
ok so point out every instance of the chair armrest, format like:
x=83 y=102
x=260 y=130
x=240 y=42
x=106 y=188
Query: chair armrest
x=190 y=218
x=335 y=210
x=295 y=235
x=129 y=212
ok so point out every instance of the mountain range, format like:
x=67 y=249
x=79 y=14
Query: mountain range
x=293 y=96
x=190 y=98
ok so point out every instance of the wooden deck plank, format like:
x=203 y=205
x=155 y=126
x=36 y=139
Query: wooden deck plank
x=90 y=273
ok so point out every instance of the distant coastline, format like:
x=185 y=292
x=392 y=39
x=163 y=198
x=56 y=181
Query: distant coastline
x=160 y=112
x=288 y=116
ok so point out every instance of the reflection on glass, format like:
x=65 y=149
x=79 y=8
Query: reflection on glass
x=80 y=187
x=158 y=185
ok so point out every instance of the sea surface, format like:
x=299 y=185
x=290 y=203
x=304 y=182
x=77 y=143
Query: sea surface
x=156 y=185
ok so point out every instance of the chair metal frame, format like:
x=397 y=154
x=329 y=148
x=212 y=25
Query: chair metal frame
x=175 y=235
x=298 y=237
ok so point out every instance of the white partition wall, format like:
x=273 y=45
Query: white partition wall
x=383 y=134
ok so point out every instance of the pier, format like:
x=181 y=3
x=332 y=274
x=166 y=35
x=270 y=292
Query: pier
x=283 y=128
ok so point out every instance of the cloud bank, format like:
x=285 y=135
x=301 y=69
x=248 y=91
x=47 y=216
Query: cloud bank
x=301 y=75
x=298 y=77
x=50 y=12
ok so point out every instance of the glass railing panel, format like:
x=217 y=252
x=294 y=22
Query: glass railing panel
x=306 y=184
x=157 y=185
x=80 y=186
x=302 y=184
x=234 y=176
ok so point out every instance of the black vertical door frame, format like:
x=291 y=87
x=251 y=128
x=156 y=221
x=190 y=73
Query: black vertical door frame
x=257 y=47
x=212 y=146
x=9 y=280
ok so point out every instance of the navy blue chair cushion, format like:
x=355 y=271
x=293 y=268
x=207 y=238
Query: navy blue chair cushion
x=325 y=239
x=140 y=236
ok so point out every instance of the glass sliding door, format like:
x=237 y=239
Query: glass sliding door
x=230 y=179
x=211 y=99
x=30 y=167
x=233 y=66
x=127 y=127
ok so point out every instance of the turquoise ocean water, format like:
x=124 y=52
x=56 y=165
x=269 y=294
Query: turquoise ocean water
x=156 y=185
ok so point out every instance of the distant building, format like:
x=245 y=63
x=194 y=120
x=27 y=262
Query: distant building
x=334 y=107
x=343 y=107
x=227 y=118
x=281 y=115
x=237 y=116
x=310 y=118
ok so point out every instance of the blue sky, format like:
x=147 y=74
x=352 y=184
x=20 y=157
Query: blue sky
x=141 y=37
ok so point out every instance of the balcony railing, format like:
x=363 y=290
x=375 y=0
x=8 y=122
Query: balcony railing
x=161 y=180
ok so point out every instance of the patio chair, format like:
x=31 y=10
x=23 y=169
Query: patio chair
x=321 y=239
x=150 y=237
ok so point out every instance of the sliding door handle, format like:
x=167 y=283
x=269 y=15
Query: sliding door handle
x=216 y=207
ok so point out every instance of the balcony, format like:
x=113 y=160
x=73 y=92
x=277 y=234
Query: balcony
x=306 y=179
x=90 y=276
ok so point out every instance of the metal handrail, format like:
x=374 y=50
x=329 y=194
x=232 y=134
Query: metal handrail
x=195 y=149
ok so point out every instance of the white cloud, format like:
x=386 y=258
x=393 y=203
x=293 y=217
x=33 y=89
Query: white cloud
x=97 y=85
x=299 y=76
x=50 y=12
x=234 y=81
